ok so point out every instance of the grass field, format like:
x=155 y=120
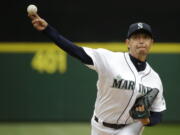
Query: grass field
x=73 y=129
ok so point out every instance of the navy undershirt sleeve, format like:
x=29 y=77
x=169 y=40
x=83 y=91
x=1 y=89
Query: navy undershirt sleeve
x=72 y=49
x=155 y=118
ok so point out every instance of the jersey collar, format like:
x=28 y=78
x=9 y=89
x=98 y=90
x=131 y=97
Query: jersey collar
x=133 y=67
x=140 y=66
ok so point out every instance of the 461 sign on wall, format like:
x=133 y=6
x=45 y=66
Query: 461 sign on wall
x=50 y=61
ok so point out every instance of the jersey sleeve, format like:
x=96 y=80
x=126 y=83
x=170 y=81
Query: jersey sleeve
x=159 y=103
x=98 y=57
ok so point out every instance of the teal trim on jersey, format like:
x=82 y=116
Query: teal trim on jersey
x=31 y=47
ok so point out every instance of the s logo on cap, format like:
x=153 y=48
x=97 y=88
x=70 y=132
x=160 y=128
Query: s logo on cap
x=140 y=25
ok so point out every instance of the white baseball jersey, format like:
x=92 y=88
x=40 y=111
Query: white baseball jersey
x=120 y=84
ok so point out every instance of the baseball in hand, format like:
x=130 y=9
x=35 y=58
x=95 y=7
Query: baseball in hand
x=32 y=9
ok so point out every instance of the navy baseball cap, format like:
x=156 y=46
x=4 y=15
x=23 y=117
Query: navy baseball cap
x=139 y=27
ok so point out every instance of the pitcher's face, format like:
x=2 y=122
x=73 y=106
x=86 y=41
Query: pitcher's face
x=139 y=44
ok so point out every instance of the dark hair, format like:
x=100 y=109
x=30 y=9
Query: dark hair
x=141 y=32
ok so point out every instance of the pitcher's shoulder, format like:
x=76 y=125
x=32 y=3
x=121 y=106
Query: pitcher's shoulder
x=106 y=51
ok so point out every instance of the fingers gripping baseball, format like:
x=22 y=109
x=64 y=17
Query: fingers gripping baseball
x=38 y=23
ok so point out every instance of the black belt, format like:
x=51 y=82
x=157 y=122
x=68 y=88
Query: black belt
x=115 y=126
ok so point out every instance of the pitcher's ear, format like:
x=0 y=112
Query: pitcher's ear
x=127 y=43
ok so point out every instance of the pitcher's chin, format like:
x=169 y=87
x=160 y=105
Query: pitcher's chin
x=143 y=52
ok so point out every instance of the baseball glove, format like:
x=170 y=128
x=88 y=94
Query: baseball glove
x=145 y=101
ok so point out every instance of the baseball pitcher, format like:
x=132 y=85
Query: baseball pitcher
x=129 y=91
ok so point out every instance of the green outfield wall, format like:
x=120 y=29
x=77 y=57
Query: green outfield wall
x=40 y=82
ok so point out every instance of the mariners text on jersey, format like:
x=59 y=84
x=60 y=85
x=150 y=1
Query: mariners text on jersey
x=129 y=85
